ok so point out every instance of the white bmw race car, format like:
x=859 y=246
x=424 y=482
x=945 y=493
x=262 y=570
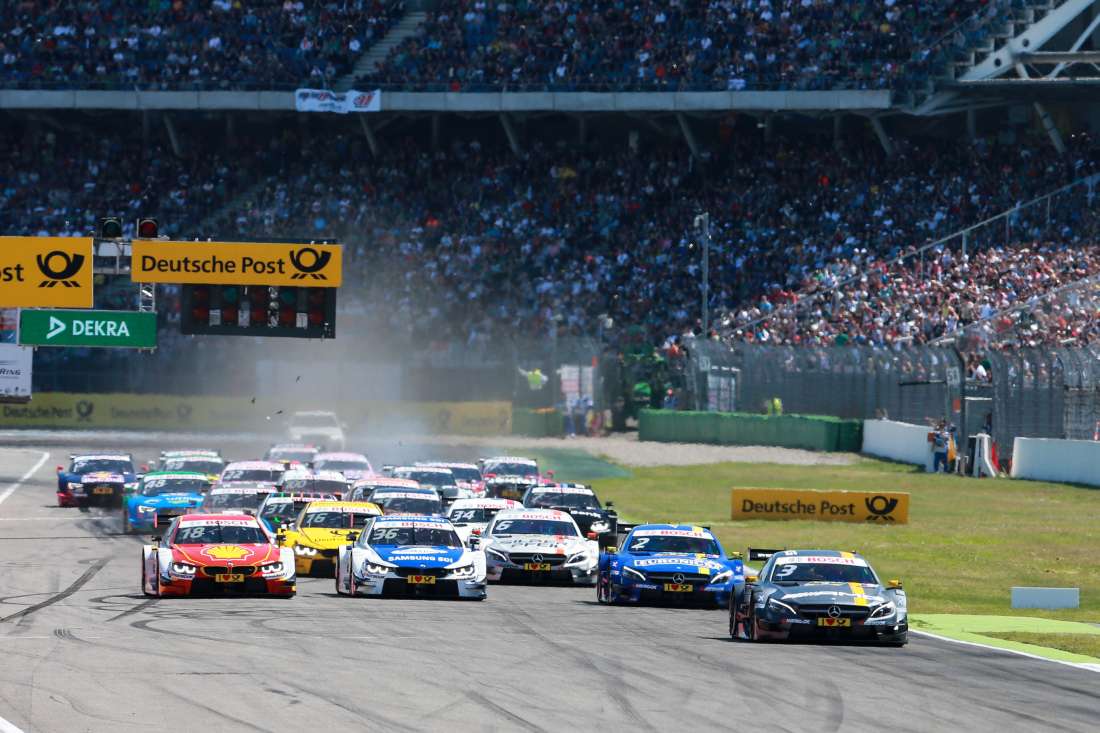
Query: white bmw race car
x=407 y=555
x=539 y=545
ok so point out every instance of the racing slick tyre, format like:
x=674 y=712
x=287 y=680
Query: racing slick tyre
x=156 y=582
x=603 y=590
x=126 y=528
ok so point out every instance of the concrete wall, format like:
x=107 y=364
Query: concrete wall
x=897 y=441
x=1049 y=459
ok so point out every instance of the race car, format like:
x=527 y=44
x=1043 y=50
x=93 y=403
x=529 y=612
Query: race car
x=162 y=496
x=582 y=504
x=321 y=529
x=423 y=500
x=670 y=563
x=316 y=426
x=281 y=509
x=209 y=462
x=354 y=466
x=267 y=472
x=95 y=478
x=292 y=454
x=466 y=476
x=470 y=517
x=509 y=487
x=538 y=545
x=435 y=477
x=829 y=594
x=325 y=482
x=242 y=497
x=363 y=487
x=216 y=553
x=509 y=466
x=404 y=555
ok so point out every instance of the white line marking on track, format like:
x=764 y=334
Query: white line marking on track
x=13 y=487
x=9 y=727
x=1076 y=665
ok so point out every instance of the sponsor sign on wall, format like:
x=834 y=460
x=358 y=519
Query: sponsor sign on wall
x=15 y=370
x=43 y=272
x=872 y=507
x=237 y=263
x=341 y=103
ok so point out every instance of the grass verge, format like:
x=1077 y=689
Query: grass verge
x=968 y=542
x=1086 y=644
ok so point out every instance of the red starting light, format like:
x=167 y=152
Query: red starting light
x=147 y=228
x=288 y=317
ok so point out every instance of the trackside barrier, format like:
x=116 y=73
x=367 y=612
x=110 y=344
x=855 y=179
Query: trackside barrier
x=172 y=412
x=896 y=441
x=1050 y=459
x=810 y=432
x=537 y=423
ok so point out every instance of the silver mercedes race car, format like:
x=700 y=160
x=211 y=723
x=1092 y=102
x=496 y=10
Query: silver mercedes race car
x=541 y=546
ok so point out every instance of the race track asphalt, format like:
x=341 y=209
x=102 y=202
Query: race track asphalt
x=83 y=650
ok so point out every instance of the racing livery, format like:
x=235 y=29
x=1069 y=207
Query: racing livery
x=670 y=563
x=509 y=466
x=216 y=553
x=422 y=500
x=241 y=497
x=209 y=462
x=820 y=593
x=363 y=487
x=95 y=478
x=405 y=555
x=470 y=517
x=326 y=482
x=538 y=545
x=281 y=509
x=509 y=486
x=354 y=466
x=321 y=529
x=162 y=496
x=580 y=502
x=435 y=477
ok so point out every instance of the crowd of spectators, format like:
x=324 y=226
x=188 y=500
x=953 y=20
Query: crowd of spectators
x=470 y=45
x=186 y=44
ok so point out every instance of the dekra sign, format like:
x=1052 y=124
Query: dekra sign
x=92 y=327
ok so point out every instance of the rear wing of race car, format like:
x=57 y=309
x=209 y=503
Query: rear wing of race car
x=757 y=554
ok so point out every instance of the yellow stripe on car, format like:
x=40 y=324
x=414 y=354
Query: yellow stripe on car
x=857 y=591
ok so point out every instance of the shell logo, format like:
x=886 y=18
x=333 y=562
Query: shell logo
x=226 y=552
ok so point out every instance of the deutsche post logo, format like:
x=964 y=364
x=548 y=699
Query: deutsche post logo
x=59 y=267
x=881 y=508
x=309 y=262
x=84 y=410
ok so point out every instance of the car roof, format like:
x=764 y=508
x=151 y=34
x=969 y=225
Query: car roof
x=676 y=527
x=341 y=456
x=300 y=496
x=512 y=479
x=418 y=518
x=383 y=492
x=175 y=474
x=816 y=553
x=322 y=475
x=387 y=482
x=293 y=446
x=217 y=517
x=242 y=489
x=525 y=513
x=239 y=465
x=422 y=468
x=346 y=506
x=485 y=504
x=510 y=459
x=186 y=453
x=562 y=489
x=108 y=456
x=446 y=464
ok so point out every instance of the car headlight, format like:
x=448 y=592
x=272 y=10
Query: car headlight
x=599 y=527
x=466 y=571
x=636 y=574
x=782 y=607
x=184 y=569
x=886 y=610
x=143 y=509
x=275 y=568
x=304 y=551
x=578 y=557
x=497 y=554
x=76 y=486
x=722 y=577
x=373 y=569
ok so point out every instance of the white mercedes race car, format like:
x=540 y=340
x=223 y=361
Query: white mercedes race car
x=407 y=555
x=471 y=516
x=539 y=545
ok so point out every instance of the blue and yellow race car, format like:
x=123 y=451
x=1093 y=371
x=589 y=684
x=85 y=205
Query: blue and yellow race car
x=162 y=496
x=670 y=563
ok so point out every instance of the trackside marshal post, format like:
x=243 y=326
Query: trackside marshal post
x=872 y=507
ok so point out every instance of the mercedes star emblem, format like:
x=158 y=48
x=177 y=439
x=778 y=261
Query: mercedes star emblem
x=678 y=578
x=536 y=558
x=834 y=612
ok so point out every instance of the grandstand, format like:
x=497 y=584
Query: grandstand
x=878 y=174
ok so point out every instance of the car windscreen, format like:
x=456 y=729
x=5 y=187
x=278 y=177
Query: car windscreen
x=283 y=509
x=571 y=500
x=427 y=478
x=105 y=465
x=532 y=526
x=158 y=486
x=324 y=486
x=811 y=572
x=342 y=465
x=512 y=469
x=335 y=520
x=251 y=474
x=465 y=474
x=472 y=516
x=408 y=505
x=198 y=465
x=232 y=501
x=506 y=491
x=684 y=545
x=419 y=536
x=217 y=534
x=301 y=456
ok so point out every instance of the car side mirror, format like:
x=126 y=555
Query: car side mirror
x=609 y=504
x=60 y=469
x=280 y=538
x=611 y=550
x=734 y=556
x=474 y=542
x=751 y=578
x=591 y=535
x=896 y=584
x=352 y=537
x=155 y=539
